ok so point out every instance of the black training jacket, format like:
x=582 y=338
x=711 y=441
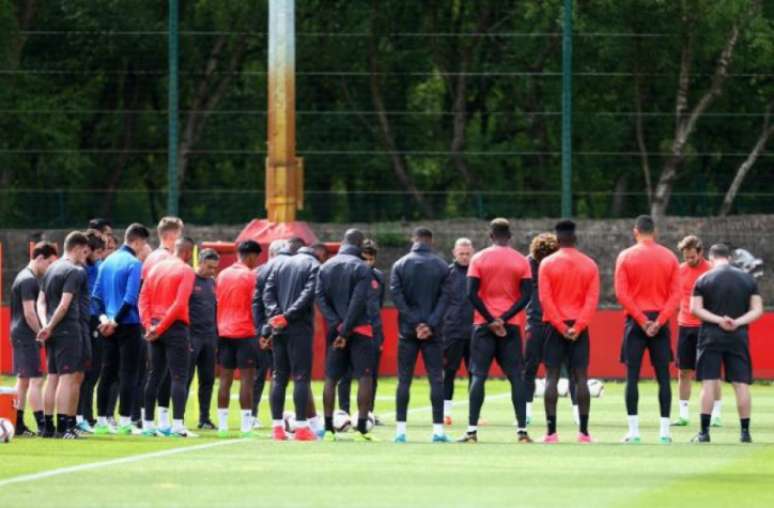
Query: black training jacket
x=290 y=289
x=259 y=310
x=343 y=284
x=416 y=285
x=376 y=302
x=458 y=318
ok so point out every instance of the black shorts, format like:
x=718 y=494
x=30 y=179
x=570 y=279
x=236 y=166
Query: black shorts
x=64 y=354
x=635 y=342
x=687 y=346
x=237 y=353
x=559 y=350
x=26 y=359
x=357 y=355
x=486 y=346
x=734 y=358
x=292 y=352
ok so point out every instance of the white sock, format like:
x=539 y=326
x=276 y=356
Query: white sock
x=529 y=409
x=716 y=408
x=438 y=429
x=123 y=421
x=472 y=428
x=300 y=424
x=634 y=425
x=277 y=423
x=223 y=419
x=447 y=407
x=315 y=424
x=147 y=425
x=102 y=420
x=400 y=428
x=665 y=427
x=163 y=417
x=177 y=426
x=142 y=413
x=576 y=415
x=684 y=413
x=78 y=419
x=247 y=420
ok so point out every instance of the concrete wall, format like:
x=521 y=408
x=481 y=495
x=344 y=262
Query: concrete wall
x=601 y=239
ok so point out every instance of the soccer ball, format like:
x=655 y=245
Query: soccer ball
x=341 y=421
x=596 y=388
x=6 y=430
x=563 y=387
x=289 y=421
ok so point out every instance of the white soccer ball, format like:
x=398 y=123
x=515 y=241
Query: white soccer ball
x=563 y=387
x=289 y=421
x=596 y=387
x=540 y=387
x=341 y=421
x=6 y=430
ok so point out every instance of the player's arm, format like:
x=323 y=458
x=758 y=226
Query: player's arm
x=57 y=316
x=131 y=293
x=525 y=290
x=399 y=297
x=590 y=304
x=30 y=316
x=176 y=310
x=358 y=301
x=545 y=293
x=144 y=304
x=622 y=292
x=271 y=306
x=42 y=309
x=673 y=302
x=436 y=316
x=305 y=299
x=756 y=311
x=698 y=310
x=325 y=305
x=474 y=285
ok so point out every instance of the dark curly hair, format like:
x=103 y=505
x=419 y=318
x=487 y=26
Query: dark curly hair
x=543 y=245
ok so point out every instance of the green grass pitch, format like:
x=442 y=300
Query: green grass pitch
x=497 y=472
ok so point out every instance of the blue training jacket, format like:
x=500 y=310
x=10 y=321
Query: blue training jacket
x=117 y=288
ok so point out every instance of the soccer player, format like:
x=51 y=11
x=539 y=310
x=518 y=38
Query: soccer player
x=237 y=338
x=163 y=306
x=647 y=284
x=457 y=323
x=694 y=265
x=115 y=294
x=85 y=417
x=202 y=309
x=542 y=246
x=25 y=326
x=277 y=250
x=375 y=304
x=726 y=299
x=169 y=231
x=342 y=292
x=417 y=283
x=58 y=311
x=568 y=282
x=499 y=285
x=289 y=301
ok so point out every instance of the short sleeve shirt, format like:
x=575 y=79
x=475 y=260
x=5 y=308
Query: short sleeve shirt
x=725 y=291
x=64 y=277
x=25 y=288
x=500 y=270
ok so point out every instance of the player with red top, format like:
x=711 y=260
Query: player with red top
x=237 y=338
x=647 y=284
x=499 y=285
x=568 y=283
x=694 y=266
x=163 y=309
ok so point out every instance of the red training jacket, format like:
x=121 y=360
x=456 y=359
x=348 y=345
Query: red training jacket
x=165 y=293
x=234 y=291
x=568 y=284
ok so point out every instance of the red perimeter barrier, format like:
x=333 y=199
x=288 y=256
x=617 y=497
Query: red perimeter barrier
x=606 y=332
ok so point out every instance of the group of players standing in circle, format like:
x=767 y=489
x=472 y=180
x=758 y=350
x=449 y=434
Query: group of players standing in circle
x=137 y=324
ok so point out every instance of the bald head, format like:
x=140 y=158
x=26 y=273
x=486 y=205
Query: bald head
x=354 y=237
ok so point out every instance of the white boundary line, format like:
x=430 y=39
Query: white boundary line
x=175 y=451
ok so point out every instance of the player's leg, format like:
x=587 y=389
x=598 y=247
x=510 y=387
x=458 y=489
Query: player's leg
x=64 y=396
x=156 y=371
x=408 y=349
x=20 y=402
x=164 y=396
x=336 y=365
x=196 y=352
x=279 y=384
x=178 y=348
x=375 y=377
x=632 y=350
x=508 y=353
x=132 y=355
x=578 y=364
x=361 y=359
x=738 y=369
x=227 y=363
x=743 y=406
x=300 y=349
x=35 y=402
x=265 y=363
x=452 y=359
x=247 y=362
x=533 y=356
x=108 y=377
x=344 y=389
x=660 y=351
x=205 y=368
x=86 y=397
x=553 y=356
x=432 y=354
x=138 y=393
x=482 y=352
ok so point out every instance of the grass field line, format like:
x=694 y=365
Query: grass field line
x=165 y=453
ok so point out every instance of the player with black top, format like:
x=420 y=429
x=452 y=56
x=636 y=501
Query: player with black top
x=59 y=313
x=25 y=326
x=726 y=299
